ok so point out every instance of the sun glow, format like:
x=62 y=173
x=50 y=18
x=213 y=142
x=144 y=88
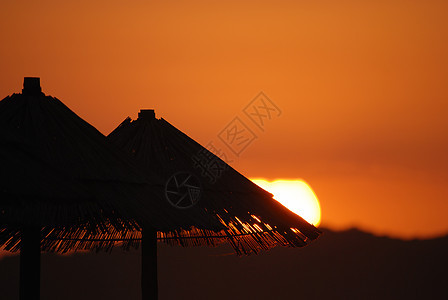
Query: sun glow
x=296 y=195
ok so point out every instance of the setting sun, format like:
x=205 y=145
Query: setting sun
x=296 y=195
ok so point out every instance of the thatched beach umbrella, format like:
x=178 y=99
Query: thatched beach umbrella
x=207 y=210
x=63 y=186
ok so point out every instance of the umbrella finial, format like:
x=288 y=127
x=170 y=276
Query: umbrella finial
x=146 y=114
x=31 y=85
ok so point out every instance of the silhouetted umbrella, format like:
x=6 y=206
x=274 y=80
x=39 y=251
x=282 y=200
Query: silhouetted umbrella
x=63 y=186
x=248 y=216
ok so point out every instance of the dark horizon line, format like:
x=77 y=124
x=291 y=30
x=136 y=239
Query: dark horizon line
x=354 y=228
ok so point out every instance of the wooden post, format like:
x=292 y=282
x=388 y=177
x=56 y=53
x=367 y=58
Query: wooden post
x=149 y=265
x=30 y=264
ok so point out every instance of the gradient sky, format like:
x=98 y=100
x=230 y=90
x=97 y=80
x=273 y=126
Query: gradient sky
x=361 y=86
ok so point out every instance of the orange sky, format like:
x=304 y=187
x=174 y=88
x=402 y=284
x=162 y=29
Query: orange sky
x=361 y=86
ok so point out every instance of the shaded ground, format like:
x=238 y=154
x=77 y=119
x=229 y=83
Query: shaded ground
x=340 y=265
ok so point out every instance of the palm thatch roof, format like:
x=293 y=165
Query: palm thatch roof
x=248 y=216
x=60 y=174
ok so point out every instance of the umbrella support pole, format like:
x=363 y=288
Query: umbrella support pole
x=149 y=265
x=30 y=264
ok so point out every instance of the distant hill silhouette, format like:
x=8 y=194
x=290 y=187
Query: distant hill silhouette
x=339 y=265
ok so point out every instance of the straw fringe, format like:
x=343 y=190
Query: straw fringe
x=245 y=238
